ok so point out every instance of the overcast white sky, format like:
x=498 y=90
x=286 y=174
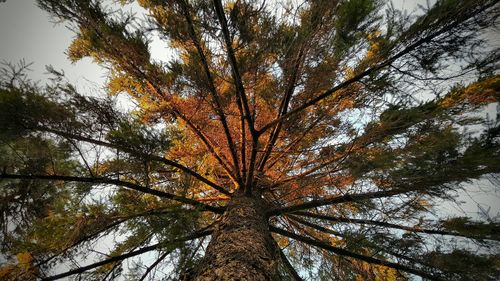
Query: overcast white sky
x=27 y=33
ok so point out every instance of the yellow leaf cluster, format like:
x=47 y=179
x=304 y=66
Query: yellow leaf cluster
x=24 y=259
x=476 y=94
x=78 y=49
x=21 y=271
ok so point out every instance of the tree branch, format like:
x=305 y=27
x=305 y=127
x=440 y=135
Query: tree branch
x=385 y=249
x=208 y=144
x=120 y=220
x=282 y=110
x=137 y=153
x=413 y=46
x=384 y=224
x=343 y=252
x=338 y=199
x=219 y=10
x=212 y=88
x=93 y=21
x=153 y=265
x=143 y=250
x=129 y=185
x=289 y=266
x=315 y=226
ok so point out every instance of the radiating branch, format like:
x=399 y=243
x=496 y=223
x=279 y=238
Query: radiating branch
x=143 y=250
x=218 y=104
x=133 y=186
x=219 y=10
x=289 y=267
x=384 y=224
x=360 y=241
x=338 y=199
x=315 y=226
x=153 y=265
x=209 y=145
x=410 y=48
x=283 y=109
x=119 y=220
x=346 y=253
x=136 y=153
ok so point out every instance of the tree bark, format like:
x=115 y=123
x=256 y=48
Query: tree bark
x=241 y=247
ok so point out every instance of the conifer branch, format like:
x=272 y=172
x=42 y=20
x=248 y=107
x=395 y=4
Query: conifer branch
x=92 y=20
x=219 y=10
x=136 y=153
x=289 y=266
x=315 y=226
x=283 y=109
x=379 y=249
x=208 y=144
x=384 y=224
x=218 y=104
x=119 y=220
x=407 y=50
x=143 y=250
x=154 y=264
x=338 y=199
x=133 y=186
x=346 y=253
x=277 y=158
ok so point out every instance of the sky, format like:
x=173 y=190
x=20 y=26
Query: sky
x=27 y=33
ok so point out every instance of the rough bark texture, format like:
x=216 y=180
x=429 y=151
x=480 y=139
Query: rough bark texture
x=241 y=247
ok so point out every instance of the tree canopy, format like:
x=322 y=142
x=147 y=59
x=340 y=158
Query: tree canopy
x=352 y=120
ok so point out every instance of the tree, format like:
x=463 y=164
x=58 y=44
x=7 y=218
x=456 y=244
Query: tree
x=306 y=140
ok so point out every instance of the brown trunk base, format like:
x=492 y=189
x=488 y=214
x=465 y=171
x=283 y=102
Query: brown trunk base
x=241 y=247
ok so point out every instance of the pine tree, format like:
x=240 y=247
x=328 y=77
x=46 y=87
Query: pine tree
x=282 y=141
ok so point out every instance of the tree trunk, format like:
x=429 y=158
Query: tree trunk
x=241 y=247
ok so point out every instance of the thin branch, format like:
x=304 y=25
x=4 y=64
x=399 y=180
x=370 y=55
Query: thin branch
x=315 y=226
x=120 y=220
x=125 y=184
x=153 y=265
x=282 y=110
x=380 y=249
x=80 y=241
x=384 y=224
x=294 y=142
x=343 y=252
x=208 y=144
x=219 y=10
x=81 y=156
x=140 y=74
x=412 y=47
x=218 y=108
x=119 y=263
x=338 y=199
x=137 y=153
x=194 y=129
x=289 y=266
x=143 y=250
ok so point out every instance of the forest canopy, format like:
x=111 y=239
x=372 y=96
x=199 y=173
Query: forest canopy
x=280 y=141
